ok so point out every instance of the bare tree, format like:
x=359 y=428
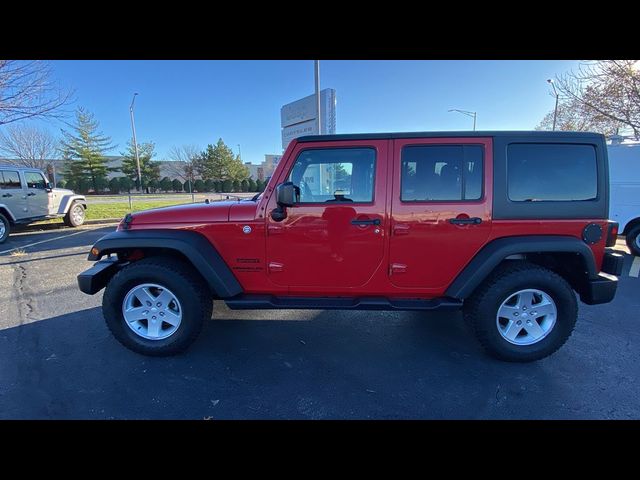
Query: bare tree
x=184 y=158
x=609 y=88
x=575 y=116
x=28 y=91
x=28 y=146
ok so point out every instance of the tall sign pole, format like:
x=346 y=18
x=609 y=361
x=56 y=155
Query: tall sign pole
x=135 y=143
x=317 y=72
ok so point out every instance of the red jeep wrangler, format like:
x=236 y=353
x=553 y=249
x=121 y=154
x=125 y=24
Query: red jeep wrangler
x=505 y=225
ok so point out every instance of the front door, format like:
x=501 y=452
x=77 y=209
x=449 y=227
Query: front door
x=12 y=195
x=37 y=195
x=441 y=209
x=333 y=238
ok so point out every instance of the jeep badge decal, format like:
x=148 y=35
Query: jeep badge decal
x=246 y=229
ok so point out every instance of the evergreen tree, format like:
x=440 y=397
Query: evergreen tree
x=100 y=185
x=217 y=186
x=236 y=185
x=261 y=185
x=165 y=184
x=153 y=185
x=244 y=185
x=208 y=185
x=71 y=184
x=125 y=184
x=227 y=186
x=83 y=149
x=149 y=169
x=114 y=185
x=198 y=186
x=60 y=184
x=252 y=185
x=177 y=185
x=187 y=187
x=219 y=163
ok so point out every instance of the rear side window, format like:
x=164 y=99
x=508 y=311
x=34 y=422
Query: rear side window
x=35 y=180
x=551 y=172
x=9 y=179
x=441 y=173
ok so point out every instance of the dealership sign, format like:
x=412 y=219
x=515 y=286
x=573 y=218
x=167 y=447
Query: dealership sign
x=299 y=118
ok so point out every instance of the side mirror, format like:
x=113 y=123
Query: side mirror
x=287 y=194
x=48 y=187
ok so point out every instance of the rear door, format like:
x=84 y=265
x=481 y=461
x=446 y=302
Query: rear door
x=12 y=194
x=441 y=208
x=37 y=196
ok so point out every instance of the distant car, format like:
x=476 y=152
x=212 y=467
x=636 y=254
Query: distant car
x=624 y=176
x=26 y=196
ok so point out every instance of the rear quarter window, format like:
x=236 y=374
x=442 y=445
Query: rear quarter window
x=551 y=172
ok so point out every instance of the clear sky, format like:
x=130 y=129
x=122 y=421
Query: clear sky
x=197 y=102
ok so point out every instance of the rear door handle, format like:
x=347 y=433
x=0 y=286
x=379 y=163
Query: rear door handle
x=466 y=221
x=374 y=221
x=7 y=195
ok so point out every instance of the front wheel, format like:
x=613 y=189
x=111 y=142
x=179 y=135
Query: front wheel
x=156 y=306
x=75 y=215
x=522 y=313
x=5 y=228
x=633 y=240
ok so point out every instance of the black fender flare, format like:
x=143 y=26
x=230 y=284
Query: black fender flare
x=498 y=250
x=195 y=247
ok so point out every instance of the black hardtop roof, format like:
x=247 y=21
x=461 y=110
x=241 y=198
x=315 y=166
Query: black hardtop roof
x=467 y=134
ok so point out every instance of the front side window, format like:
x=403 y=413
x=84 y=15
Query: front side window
x=35 y=180
x=551 y=172
x=335 y=175
x=9 y=179
x=441 y=173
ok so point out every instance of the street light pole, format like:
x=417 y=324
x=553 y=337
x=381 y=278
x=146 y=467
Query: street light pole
x=239 y=152
x=555 y=94
x=135 y=143
x=468 y=114
x=317 y=75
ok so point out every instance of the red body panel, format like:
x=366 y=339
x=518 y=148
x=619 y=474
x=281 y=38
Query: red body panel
x=316 y=251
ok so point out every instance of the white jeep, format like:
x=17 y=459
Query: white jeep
x=26 y=196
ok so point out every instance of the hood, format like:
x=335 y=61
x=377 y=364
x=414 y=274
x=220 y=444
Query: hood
x=192 y=213
x=62 y=192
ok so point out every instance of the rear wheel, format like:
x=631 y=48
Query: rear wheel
x=522 y=313
x=75 y=215
x=5 y=228
x=156 y=306
x=633 y=240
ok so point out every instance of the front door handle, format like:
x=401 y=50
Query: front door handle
x=31 y=194
x=7 y=195
x=466 y=221
x=374 y=221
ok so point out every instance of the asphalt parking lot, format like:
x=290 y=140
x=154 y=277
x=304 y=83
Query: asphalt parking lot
x=58 y=360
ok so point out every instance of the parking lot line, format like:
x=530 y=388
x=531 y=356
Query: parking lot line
x=634 y=271
x=21 y=247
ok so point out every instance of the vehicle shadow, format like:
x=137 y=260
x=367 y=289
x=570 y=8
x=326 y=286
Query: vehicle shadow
x=332 y=364
x=56 y=240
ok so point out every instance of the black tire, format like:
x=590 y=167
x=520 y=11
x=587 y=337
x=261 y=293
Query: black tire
x=480 y=310
x=7 y=228
x=69 y=219
x=187 y=285
x=633 y=240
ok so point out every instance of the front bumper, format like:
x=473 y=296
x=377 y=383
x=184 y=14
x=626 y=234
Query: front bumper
x=95 y=279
